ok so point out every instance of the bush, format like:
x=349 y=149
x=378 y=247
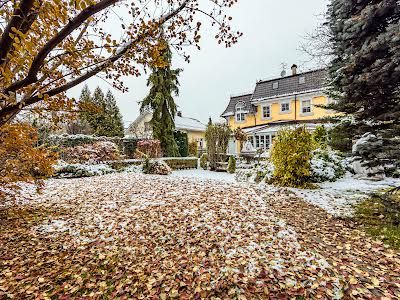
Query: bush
x=232 y=165
x=193 y=148
x=156 y=167
x=320 y=136
x=217 y=138
x=204 y=161
x=262 y=172
x=181 y=139
x=20 y=160
x=65 y=170
x=150 y=148
x=291 y=154
x=326 y=165
x=92 y=153
x=181 y=163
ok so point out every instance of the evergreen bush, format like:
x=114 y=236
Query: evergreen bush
x=181 y=139
x=291 y=154
x=203 y=161
x=232 y=165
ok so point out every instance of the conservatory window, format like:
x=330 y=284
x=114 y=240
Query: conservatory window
x=266 y=112
x=306 y=106
x=240 y=112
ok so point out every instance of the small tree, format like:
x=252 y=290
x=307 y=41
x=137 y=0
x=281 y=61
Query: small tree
x=21 y=160
x=181 y=140
x=217 y=138
x=240 y=136
x=232 y=165
x=193 y=148
x=320 y=136
x=291 y=154
x=203 y=161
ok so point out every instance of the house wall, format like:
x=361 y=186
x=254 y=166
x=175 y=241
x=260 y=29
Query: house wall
x=295 y=112
x=196 y=136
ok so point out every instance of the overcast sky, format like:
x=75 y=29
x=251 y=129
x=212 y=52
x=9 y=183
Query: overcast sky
x=273 y=32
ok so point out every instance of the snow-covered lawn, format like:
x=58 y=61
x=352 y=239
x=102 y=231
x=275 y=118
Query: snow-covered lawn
x=204 y=175
x=339 y=197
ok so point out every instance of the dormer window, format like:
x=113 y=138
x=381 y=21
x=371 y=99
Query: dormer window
x=240 y=112
x=275 y=85
x=302 y=80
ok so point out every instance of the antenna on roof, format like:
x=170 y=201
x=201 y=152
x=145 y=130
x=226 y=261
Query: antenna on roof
x=283 y=73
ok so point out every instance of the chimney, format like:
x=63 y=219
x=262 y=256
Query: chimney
x=294 y=69
x=179 y=114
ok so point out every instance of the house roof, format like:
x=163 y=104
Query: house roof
x=184 y=123
x=230 y=110
x=288 y=85
x=314 y=80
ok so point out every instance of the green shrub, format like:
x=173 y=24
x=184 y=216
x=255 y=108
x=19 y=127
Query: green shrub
x=181 y=139
x=193 y=148
x=291 y=154
x=181 y=163
x=232 y=165
x=203 y=161
x=320 y=136
x=146 y=165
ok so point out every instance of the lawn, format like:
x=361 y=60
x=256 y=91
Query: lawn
x=134 y=236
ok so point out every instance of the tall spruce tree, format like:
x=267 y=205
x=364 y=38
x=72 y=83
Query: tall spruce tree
x=365 y=70
x=163 y=83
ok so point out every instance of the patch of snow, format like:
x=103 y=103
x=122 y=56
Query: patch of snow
x=204 y=175
x=339 y=198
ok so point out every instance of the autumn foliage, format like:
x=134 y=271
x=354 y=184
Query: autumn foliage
x=21 y=160
x=92 y=153
x=149 y=148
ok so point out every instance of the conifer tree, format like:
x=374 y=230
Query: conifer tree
x=163 y=84
x=365 y=68
x=102 y=113
x=113 y=117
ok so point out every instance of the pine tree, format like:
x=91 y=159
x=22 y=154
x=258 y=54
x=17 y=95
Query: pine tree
x=365 y=70
x=163 y=84
x=113 y=117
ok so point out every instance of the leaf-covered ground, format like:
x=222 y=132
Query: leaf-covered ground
x=132 y=236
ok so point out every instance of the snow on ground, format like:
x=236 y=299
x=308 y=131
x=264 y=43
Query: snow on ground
x=339 y=197
x=204 y=175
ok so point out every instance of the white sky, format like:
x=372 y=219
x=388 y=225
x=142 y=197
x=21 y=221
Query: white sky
x=273 y=32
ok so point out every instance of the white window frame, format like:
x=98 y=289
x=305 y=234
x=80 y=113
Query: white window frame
x=240 y=112
x=302 y=113
x=263 y=117
x=275 y=85
x=302 y=80
x=285 y=111
x=264 y=140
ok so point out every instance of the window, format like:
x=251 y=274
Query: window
x=147 y=126
x=262 y=141
x=266 y=111
x=240 y=112
x=302 y=80
x=275 y=85
x=285 y=107
x=306 y=106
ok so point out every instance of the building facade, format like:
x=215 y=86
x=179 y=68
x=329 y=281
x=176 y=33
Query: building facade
x=141 y=127
x=286 y=101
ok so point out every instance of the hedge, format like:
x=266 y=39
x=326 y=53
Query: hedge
x=178 y=163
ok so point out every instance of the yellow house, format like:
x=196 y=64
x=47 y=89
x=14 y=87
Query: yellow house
x=141 y=127
x=276 y=103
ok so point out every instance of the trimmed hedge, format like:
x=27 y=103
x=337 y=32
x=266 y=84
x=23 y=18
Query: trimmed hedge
x=181 y=163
